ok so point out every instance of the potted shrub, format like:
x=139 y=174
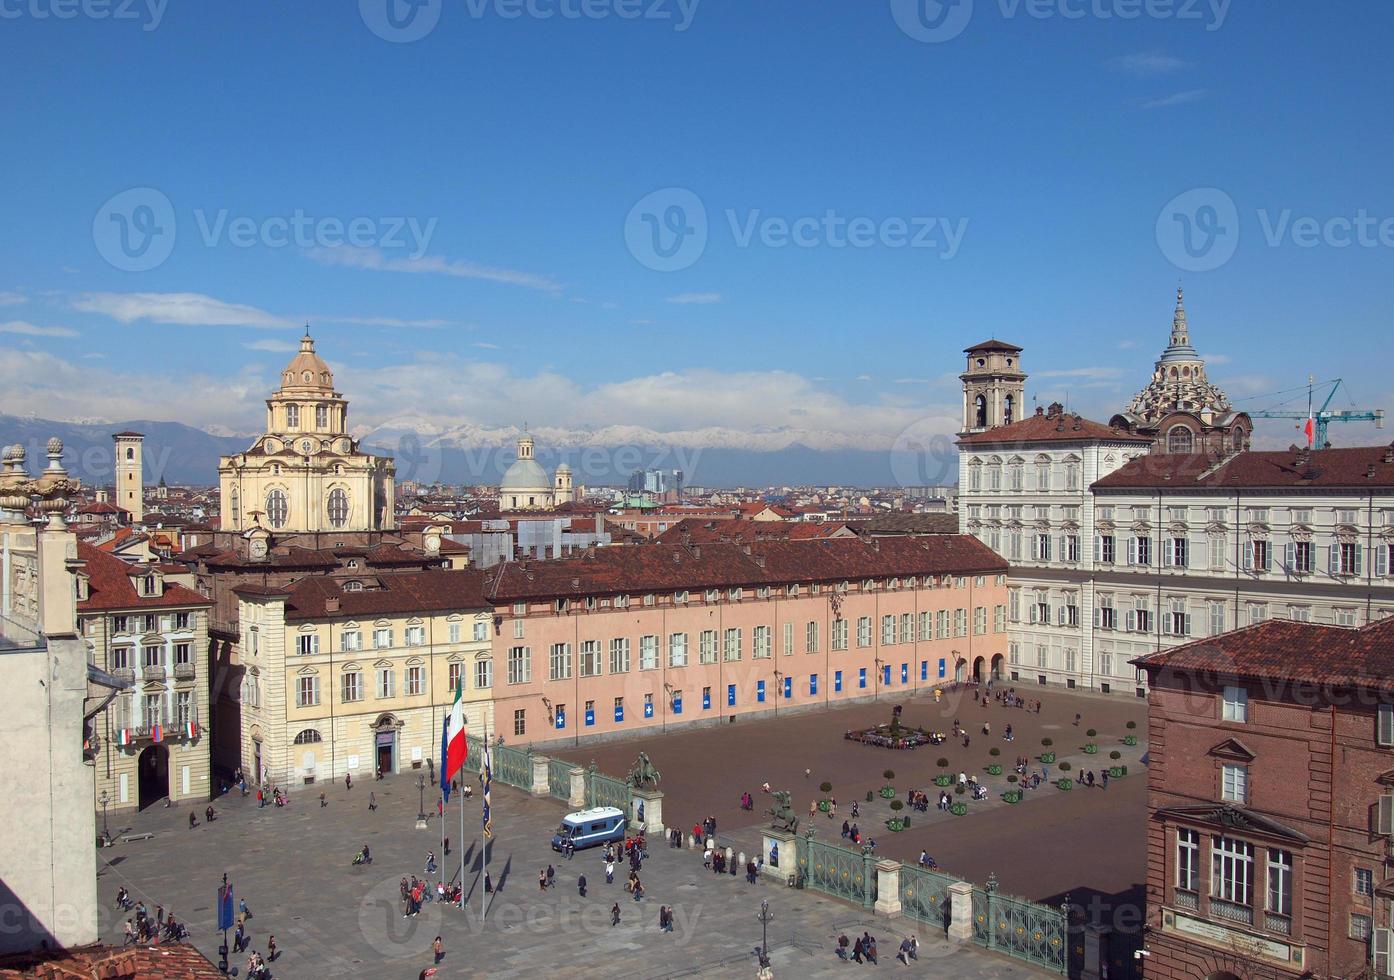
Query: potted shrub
x=897 y=822
x=1065 y=767
x=1091 y=733
x=1012 y=796
x=825 y=804
x=1115 y=755
x=1047 y=756
x=888 y=791
x=959 y=809
x=1065 y=782
x=1091 y=748
x=994 y=769
x=943 y=779
x=994 y=751
x=1130 y=738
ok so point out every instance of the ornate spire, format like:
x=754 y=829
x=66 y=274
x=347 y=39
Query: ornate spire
x=1180 y=333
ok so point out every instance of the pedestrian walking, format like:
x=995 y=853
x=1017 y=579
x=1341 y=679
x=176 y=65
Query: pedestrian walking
x=541 y=880
x=1103 y=779
x=1076 y=719
x=322 y=801
x=551 y=876
x=430 y=862
x=270 y=949
x=348 y=781
x=581 y=885
x=438 y=948
x=615 y=914
x=609 y=872
x=372 y=802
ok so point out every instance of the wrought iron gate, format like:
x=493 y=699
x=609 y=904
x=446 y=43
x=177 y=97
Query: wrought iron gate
x=559 y=779
x=603 y=790
x=1025 y=930
x=838 y=871
x=924 y=895
x=512 y=766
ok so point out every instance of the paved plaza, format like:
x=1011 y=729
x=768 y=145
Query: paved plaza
x=1080 y=843
x=332 y=919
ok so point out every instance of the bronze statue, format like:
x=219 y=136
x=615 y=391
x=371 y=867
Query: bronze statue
x=782 y=813
x=643 y=775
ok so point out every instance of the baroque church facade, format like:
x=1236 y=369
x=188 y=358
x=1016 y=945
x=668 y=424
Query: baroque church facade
x=305 y=473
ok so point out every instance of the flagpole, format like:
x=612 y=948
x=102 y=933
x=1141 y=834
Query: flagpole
x=484 y=761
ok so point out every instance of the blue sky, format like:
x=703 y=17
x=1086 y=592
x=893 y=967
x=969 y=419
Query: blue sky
x=1049 y=145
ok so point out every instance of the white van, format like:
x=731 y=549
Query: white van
x=590 y=828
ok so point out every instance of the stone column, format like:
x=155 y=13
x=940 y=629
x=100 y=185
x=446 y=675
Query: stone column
x=781 y=844
x=652 y=799
x=539 y=775
x=1095 y=951
x=961 y=911
x=888 y=887
x=578 y=788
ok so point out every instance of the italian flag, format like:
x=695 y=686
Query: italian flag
x=123 y=736
x=1310 y=430
x=452 y=745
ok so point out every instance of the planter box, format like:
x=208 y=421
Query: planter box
x=1091 y=749
x=959 y=809
x=995 y=769
x=895 y=824
x=825 y=805
x=1129 y=739
x=1115 y=772
x=943 y=780
x=887 y=792
x=1012 y=796
x=1066 y=783
x=1047 y=757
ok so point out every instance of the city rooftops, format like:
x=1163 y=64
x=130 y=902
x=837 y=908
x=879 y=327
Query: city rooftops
x=1050 y=425
x=1360 y=467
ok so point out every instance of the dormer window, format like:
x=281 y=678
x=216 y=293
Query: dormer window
x=150 y=584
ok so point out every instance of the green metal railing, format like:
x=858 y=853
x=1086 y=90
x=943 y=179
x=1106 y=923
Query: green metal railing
x=924 y=895
x=559 y=779
x=603 y=790
x=512 y=766
x=1022 y=929
x=838 y=871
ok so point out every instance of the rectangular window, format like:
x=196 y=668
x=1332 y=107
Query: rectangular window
x=1364 y=882
x=1108 y=549
x=677 y=650
x=980 y=620
x=483 y=674
x=152 y=657
x=1360 y=926
x=1302 y=557
x=306 y=692
x=1234 y=784
x=181 y=621
x=519 y=665
x=1279 y=882
x=1188 y=860
x=452 y=633
x=1040 y=549
x=941 y=624
x=707 y=646
x=926 y=630
x=1257 y=558
x=520 y=721
x=1217 y=617
x=454 y=675
x=382 y=639
x=1236 y=704
x=960 y=622
x=559 y=662
x=732 y=650
x=619 y=655
x=811 y=636
x=1347 y=559
x=1107 y=615
x=387 y=682
x=481 y=632
x=1179 y=556
x=416 y=680
x=517 y=629
x=864 y=631
x=353 y=686
x=120 y=624
x=840 y=634
x=887 y=630
x=1143 y=549
x=350 y=641
x=416 y=636
x=306 y=644
x=648 y=652
x=788 y=640
x=590 y=658
x=1232 y=872
x=184 y=711
x=1071 y=548
x=1384 y=730
x=183 y=655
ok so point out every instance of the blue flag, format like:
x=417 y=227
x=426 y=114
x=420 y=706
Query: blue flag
x=225 y=906
x=444 y=746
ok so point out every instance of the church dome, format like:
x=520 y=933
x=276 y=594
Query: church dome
x=307 y=369
x=525 y=474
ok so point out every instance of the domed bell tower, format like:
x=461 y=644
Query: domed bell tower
x=994 y=386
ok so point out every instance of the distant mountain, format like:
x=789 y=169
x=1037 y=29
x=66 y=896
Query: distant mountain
x=182 y=454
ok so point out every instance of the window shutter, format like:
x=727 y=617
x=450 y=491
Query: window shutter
x=1168 y=551
x=1099 y=549
x=1334 y=553
x=1166 y=624
x=1186 y=625
x=1033 y=613
x=1132 y=620
x=1384 y=825
x=1289 y=557
x=1248 y=555
x=1381 y=560
x=1359 y=557
x=1385 y=734
x=1096 y=617
x=1060 y=616
x=1132 y=551
x=1035 y=547
x=1383 y=951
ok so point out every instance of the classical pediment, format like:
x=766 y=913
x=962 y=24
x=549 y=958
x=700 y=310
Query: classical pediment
x=1227 y=816
x=1232 y=748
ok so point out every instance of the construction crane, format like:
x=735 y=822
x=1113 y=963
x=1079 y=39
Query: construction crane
x=1317 y=419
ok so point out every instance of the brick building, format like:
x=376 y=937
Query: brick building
x=1271 y=803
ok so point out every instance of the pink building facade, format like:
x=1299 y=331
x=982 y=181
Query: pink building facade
x=628 y=640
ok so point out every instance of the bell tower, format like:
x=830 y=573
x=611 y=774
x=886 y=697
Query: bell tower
x=994 y=386
x=130 y=484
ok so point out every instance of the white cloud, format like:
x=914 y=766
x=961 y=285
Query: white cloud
x=369 y=258
x=13 y=299
x=274 y=346
x=485 y=345
x=183 y=309
x=1176 y=98
x=1126 y=344
x=862 y=377
x=380 y=321
x=1149 y=63
x=695 y=299
x=27 y=329
x=1213 y=359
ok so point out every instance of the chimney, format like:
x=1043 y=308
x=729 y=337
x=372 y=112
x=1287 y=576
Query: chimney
x=331 y=604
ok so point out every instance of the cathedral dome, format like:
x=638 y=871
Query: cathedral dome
x=307 y=369
x=525 y=474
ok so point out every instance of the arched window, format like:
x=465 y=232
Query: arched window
x=308 y=737
x=1008 y=404
x=980 y=412
x=1239 y=440
x=1180 y=440
x=338 y=507
x=130 y=453
x=1173 y=374
x=235 y=504
x=277 y=510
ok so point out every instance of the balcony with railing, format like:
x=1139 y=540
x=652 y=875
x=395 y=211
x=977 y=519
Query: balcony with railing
x=184 y=672
x=1232 y=911
x=125 y=674
x=1184 y=899
x=152 y=672
x=1281 y=924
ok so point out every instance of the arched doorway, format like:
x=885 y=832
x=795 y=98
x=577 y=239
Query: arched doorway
x=978 y=667
x=385 y=744
x=1223 y=975
x=152 y=775
x=960 y=671
x=997 y=663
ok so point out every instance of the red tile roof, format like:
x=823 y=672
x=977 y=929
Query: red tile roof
x=1041 y=427
x=691 y=530
x=170 y=961
x=1360 y=467
x=1284 y=650
x=992 y=344
x=396 y=593
x=662 y=567
x=112 y=587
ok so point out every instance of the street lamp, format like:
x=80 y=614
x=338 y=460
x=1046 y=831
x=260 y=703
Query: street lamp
x=763 y=917
x=421 y=799
x=104 y=799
